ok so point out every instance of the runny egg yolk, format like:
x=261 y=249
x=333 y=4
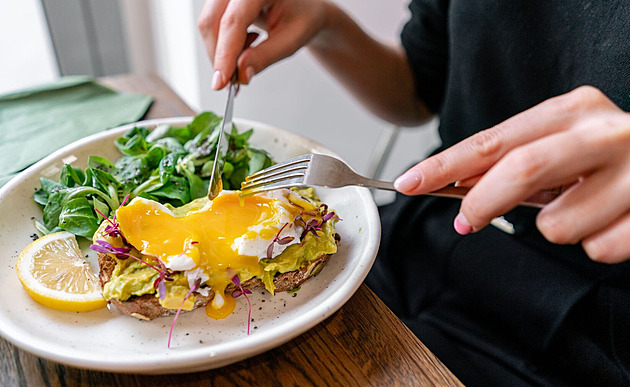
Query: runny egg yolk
x=207 y=236
x=221 y=306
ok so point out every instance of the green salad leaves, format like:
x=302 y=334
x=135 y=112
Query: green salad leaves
x=169 y=165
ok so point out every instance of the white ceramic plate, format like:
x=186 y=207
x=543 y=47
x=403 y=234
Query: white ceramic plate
x=108 y=341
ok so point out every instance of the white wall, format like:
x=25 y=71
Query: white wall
x=175 y=34
x=27 y=55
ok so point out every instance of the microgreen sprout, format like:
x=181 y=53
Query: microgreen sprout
x=120 y=252
x=112 y=229
x=278 y=240
x=165 y=274
x=123 y=253
x=192 y=289
x=327 y=215
x=313 y=225
x=106 y=248
x=240 y=291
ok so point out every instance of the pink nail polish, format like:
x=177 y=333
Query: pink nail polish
x=407 y=181
x=461 y=224
x=217 y=78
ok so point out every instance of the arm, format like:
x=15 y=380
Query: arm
x=579 y=140
x=377 y=75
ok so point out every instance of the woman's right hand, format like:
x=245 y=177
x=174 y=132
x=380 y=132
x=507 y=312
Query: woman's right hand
x=289 y=24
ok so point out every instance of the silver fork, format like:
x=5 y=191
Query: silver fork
x=327 y=171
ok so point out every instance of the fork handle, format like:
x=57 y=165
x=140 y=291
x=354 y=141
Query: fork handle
x=537 y=200
x=446 y=192
x=371 y=183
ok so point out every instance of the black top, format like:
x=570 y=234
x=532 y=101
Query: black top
x=478 y=63
x=502 y=309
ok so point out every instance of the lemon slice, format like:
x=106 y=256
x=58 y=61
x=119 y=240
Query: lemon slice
x=54 y=273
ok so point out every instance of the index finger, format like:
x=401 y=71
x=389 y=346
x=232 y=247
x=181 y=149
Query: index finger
x=232 y=36
x=478 y=153
x=208 y=24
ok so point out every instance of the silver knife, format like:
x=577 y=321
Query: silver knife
x=216 y=183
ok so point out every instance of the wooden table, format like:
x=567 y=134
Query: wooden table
x=362 y=344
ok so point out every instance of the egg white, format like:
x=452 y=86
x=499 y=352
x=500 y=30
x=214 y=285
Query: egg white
x=257 y=247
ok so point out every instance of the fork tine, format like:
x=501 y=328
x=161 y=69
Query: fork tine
x=272 y=184
x=294 y=169
x=281 y=166
x=263 y=180
x=290 y=173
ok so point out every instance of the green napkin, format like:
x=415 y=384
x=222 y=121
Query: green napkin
x=40 y=120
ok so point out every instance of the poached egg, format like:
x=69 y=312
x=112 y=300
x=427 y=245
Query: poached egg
x=225 y=237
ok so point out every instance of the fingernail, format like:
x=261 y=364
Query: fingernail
x=461 y=224
x=217 y=79
x=249 y=73
x=407 y=181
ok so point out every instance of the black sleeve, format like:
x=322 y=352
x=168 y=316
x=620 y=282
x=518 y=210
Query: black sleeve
x=425 y=40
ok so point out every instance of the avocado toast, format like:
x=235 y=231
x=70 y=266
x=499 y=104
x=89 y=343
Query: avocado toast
x=147 y=283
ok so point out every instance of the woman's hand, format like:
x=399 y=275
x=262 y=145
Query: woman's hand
x=223 y=25
x=579 y=141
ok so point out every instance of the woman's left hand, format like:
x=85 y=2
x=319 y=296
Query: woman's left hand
x=579 y=141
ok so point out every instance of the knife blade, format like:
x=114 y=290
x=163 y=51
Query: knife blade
x=216 y=183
